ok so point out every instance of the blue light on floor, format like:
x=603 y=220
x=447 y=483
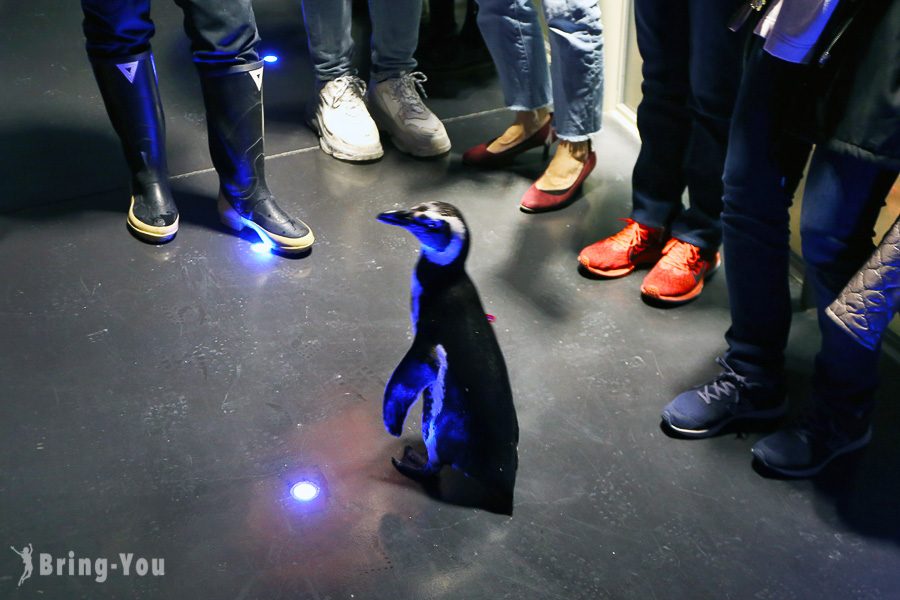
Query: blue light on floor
x=270 y=58
x=304 y=491
x=264 y=244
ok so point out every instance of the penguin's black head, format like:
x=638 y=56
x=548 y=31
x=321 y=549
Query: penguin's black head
x=438 y=226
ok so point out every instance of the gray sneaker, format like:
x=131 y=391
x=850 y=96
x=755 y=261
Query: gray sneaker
x=397 y=107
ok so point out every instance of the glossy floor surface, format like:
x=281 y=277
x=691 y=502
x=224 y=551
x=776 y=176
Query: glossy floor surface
x=161 y=400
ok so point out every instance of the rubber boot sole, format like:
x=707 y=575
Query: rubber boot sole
x=230 y=218
x=150 y=233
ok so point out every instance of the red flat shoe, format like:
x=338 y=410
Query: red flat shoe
x=479 y=156
x=536 y=200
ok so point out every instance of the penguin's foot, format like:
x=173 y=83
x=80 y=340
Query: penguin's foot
x=415 y=465
x=273 y=225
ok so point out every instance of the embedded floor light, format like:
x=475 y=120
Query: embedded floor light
x=270 y=58
x=304 y=491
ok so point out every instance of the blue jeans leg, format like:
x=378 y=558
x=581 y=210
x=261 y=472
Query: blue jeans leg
x=576 y=44
x=762 y=169
x=222 y=34
x=395 y=35
x=691 y=70
x=328 y=30
x=116 y=28
x=512 y=33
x=841 y=203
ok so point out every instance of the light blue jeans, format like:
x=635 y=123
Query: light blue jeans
x=395 y=35
x=512 y=32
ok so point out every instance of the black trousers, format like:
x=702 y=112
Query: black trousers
x=222 y=32
x=691 y=69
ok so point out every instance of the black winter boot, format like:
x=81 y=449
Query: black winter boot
x=234 y=117
x=129 y=89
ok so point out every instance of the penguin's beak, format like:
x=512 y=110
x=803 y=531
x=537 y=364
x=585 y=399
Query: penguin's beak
x=396 y=217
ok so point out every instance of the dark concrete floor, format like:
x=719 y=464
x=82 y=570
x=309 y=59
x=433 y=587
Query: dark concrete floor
x=160 y=400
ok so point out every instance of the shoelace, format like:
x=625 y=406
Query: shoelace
x=676 y=254
x=408 y=91
x=350 y=90
x=633 y=235
x=726 y=382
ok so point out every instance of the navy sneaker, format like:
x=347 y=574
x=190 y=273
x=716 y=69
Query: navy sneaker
x=704 y=410
x=806 y=447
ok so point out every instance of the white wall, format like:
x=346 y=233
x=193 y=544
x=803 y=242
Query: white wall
x=615 y=31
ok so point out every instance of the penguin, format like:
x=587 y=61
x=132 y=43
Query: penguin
x=455 y=362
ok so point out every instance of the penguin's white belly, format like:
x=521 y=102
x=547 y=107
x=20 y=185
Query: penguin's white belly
x=438 y=392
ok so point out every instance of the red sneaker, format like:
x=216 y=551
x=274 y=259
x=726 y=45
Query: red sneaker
x=679 y=275
x=620 y=254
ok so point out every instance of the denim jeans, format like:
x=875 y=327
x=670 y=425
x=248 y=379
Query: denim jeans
x=841 y=202
x=512 y=32
x=691 y=71
x=222 y=34
x=395 y=35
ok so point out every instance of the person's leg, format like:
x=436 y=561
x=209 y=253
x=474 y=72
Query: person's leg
x=576 y=42
x=118 y=44
x=842 y=199
x=339 y=115
x=841 y=202
x=222 y=34
x=715 y=64
x=328 y=31
x=663 y=119
x=762 y=169
x=395 y=91
x=395 y=35
x=116 y=28
x=512 y=33
x=224 y=38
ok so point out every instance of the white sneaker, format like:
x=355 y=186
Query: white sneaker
x=397 y=107
x=345 y=128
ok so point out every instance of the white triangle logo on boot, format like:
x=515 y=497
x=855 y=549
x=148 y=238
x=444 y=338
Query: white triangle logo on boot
x=257 y=77
x=129 y=70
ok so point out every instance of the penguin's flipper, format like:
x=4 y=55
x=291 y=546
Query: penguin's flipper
x=415 y=465
x=415 y=372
